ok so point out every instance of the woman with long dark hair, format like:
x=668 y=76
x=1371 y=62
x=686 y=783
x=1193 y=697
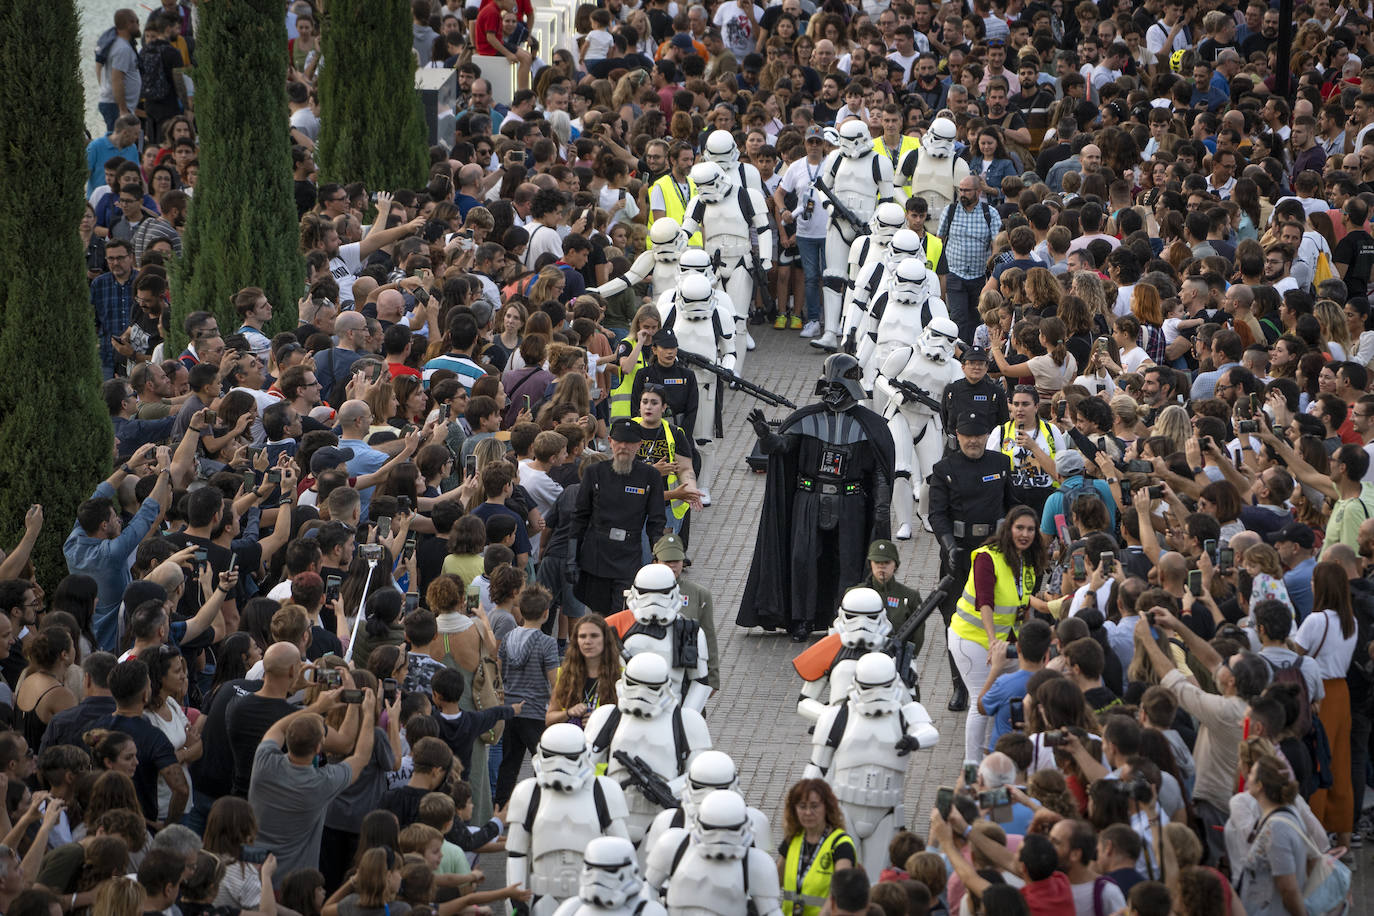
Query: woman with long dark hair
x=1328 y=635
x=589 y=672
x=1003 y=575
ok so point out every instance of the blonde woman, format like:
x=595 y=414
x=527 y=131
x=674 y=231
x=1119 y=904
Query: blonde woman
x=1042 y=290
x=1335 y=330
x=1172 y=423
x=1128 y=419
x=547 y=285
x=989 y=309
x=1088 y=286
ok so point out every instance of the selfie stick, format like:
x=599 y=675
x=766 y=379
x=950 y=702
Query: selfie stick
x=362 y=602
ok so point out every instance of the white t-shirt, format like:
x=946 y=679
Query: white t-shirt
x=801 y=177
x=542 y=239
x=735 y=29
x=1132 y=359
x=343 y=266
x=1333 y=661
x=906 y=61
x=1112 y=898
x=626 y=214
x=599 y=44
x=1122 y=306
x=305 y=121
x=541 y=486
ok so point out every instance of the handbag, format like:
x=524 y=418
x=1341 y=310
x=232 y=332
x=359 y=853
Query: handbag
x=488 y=692
x=1327 y=890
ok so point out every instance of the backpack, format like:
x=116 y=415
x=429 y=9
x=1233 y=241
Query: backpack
x=1072 y=491
x=103 y=44
x=488 y=692
x=1291 y=673
x=156 y=86
x=1323 y=270
x=949 y=218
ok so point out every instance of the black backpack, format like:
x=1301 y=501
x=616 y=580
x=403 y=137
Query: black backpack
x=156 y=86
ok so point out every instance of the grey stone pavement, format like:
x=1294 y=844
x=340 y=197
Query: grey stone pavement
x=753 y=717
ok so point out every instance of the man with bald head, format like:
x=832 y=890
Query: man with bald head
x=249 y=718
x=391 y=307
x=332 y=366
x=469 y=187
x=823 y=57
x=355 y=417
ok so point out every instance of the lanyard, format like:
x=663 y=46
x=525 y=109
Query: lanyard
x=805 y=858
x=681 y=194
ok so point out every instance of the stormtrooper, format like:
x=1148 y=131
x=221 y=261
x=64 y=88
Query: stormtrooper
x=660 y=629
x=704 y=322
x=646 y=725
x=898 y=315
x=711 y=770
x=725 y=211
x=713 y=868
x=905 y=375
x=863 y=627
x=854 y=180
x=859 y=747
x=555 y=814
x=721 y=149
x=870 y=250
x=659 y=262
x=873 y=279
x=611 y=884
x=932 y=169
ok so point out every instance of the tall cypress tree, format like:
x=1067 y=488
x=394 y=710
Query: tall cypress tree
x=242 y=228
x=55 y=433
x=372 y=128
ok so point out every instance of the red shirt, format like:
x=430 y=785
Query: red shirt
x=1050 y=897
x=402 y=369
x=488 y=20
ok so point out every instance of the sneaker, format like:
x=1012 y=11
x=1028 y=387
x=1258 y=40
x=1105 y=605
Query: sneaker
x=811 y=329
x=796 y=323
x=780 y=322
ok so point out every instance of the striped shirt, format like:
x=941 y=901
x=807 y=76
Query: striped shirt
x=468 y=371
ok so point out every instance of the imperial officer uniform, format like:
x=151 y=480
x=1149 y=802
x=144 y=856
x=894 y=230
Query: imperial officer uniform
x=986 y=398
x=968 y=498
x=614 y=512
x=899 y=601
x=677 y=383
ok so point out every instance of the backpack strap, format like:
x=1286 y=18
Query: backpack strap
x=1099 y=890
x=533 y=808
x=603 y=737
x=837 y=726
x=877 y=168
x=746 y=204
x=945 y=223
x=987 y=216
x=680 y=746
x=677 y=856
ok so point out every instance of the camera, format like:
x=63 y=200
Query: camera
x=1248 y=426
x=1017 y=713
x=970 y=772
x=403 y=504
x=390 y=689
x=330 y=678
x=1139 y=466
x=994 y=798
x=1056 y=738
x=1155 y=492
x=331 y=588
x=253 y=855
x=370 y=552
x=351 y=696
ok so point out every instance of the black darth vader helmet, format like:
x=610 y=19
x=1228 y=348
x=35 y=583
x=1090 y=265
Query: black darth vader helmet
x=840 y=386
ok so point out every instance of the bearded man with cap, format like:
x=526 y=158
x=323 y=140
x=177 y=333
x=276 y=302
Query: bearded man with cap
x=618 y=502
x=696 y=600
x=970 y=492
x=975 y=393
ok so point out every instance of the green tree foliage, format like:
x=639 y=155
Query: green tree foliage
x=55 y=433
x=372 y=127
x=242 y=228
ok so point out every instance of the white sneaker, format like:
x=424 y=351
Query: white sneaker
x=749 y=338
x=706 y=497
x=812 y=329
x=904 y=533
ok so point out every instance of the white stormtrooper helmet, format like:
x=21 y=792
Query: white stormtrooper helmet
x=860 y=620
x=709 y=771
x=712 y=182
x=909 y=282
x=722 y=829
x=721 y=149
x=562 y=761
x=905 y=244
x=655 y=598
x=874 y=690
x=887 y=219
x=698 y=261
x=939 y=140
x=938 y=338
x=610 y=873
x=694 y=294
x=853 y=138
x=666 y=234
x=643 y=690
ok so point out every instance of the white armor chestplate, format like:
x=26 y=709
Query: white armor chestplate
x=933 y=181
x=900 y=327
x=651 y=739
x=563 y=826
x=932 y=376
x=732 y=248
x=707 y=887
x=665 y=274
x=866 y=770
x=556 y=874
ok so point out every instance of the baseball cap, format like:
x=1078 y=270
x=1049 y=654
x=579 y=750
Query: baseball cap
x=329 y=457
x=669 y=549
x=974 y=354
x=626 y=430
x=1069 y=462
x=665 y=338
x=973 y=424
x=1296 y=532
x=882 y=551
x=815 y=132
x=683 y=42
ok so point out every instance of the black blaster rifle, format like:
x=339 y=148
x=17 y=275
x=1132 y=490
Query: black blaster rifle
x=838 y=208
x=725 y=375
x=902 y=652
x=650 y=784
x=915 y=393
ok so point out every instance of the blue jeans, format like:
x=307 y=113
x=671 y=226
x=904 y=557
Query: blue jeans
x=109 y=111
x=813 y=263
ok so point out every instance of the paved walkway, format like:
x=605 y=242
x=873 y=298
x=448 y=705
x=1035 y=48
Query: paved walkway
x=753 y=718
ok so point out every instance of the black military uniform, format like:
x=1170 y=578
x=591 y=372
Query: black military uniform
x=968 y=497
x=678 y=381
x=987 y=399
x=613 y=513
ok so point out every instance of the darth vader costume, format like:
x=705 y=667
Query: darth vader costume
x=828 y=496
